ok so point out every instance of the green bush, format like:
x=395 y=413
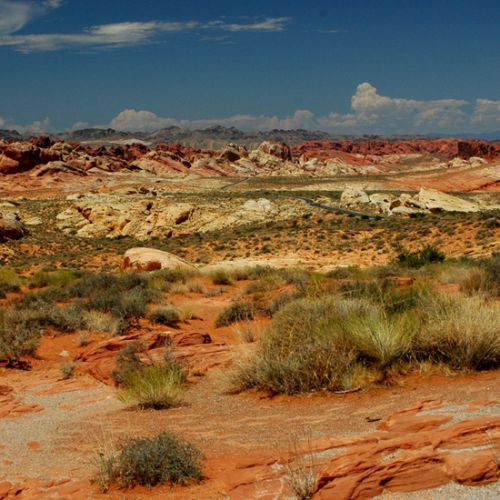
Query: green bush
x=335 y=343
x=155 y=386
x=305 y=348
x=20 y=334
x=238 y=311
x=221 y=277
x=151 y=461
x=419 y=258
x=166 y=315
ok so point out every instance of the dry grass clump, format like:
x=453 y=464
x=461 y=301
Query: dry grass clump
x=237 y=311
x=156 y=384
x=164 y=458
x=165 y=315
x=463 y=332
x=337 y=343
x=221 y=277
x=99 y=321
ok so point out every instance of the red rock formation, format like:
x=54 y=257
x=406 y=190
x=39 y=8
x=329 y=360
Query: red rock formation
x=448 y=148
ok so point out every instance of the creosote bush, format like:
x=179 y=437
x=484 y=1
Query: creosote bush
x=149 y=462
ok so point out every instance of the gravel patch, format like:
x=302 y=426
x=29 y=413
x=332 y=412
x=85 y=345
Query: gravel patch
x=33 y=442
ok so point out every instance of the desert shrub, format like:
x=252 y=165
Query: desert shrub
x=195 y=287
x=20 y=334
x=67 y=370
x=40 y=315
x=156 y=385
x=173 y=275
x=247 y=332
x=99 y=321
x=165 y=315
x=127 y=360
x=419 y=258
x=221 y=277
x=56 y=278
x=47 y=295
x=151 y=461
x=6 y=288
x=264 y=284
x=131 y=303
x=473 y=281
x=91 y=284
x=237 y=311
x=461 y=332
x=305 y=348
x=9 y=277
x=280 y=301
x=335 y=343
x=380 y=337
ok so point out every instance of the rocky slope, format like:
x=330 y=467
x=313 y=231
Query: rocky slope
x=43 y=157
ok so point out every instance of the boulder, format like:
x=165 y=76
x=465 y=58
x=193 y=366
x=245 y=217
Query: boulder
x=8 y=165
x=230 y=153
x=353 y=196
x=150 y=259
x=437 y=201
x=384 y=202
x=278 y=149
x=260 y=205
x=11 y=227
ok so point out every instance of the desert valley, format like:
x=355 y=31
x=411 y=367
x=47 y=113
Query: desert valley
x=249 y=250
x=314 y=320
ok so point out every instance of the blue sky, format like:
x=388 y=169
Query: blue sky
x=347 y=66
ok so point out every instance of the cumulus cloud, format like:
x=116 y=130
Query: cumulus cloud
x=370 y=112
x=486 y=113
x=370 y=109
x=139 y=121
x=113 y=35
x=37 y=127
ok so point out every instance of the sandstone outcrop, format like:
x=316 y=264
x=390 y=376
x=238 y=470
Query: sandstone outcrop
x=351 y=197
x=150 y=259
x=11 y=227
x=434 y=200
x=448 y=148
x=425 y=201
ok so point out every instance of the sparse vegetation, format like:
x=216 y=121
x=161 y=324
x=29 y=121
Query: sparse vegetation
x=334 y=343
x=419 y=258
x=149 y=462
x=165 y=315
x=155 y=385
x=238 y=311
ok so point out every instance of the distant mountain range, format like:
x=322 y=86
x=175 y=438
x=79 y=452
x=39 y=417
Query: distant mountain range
x=218 y=136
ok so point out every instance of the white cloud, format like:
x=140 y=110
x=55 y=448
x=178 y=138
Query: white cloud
x=37 y=127
x=80 y=125
x=15 y=14
x=370 y=112
x=268 y=24
x=486 y=113
x=115 y=34
x=139 y=121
